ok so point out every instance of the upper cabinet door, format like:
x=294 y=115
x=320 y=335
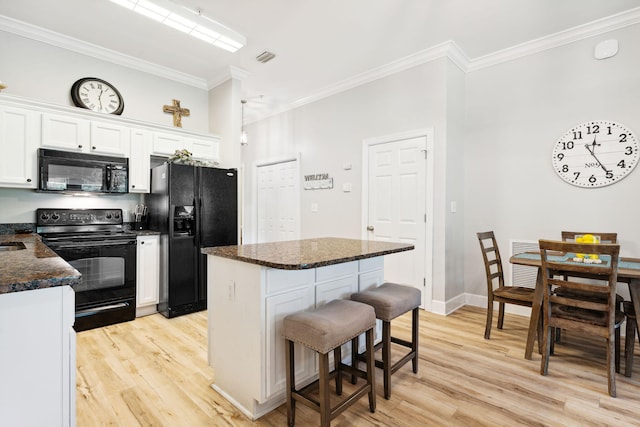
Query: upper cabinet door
x=109 y=139
x=140 y=161
x=65 y=132
x=19 y=129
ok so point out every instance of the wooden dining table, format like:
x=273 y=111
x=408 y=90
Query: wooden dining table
x=628 y=272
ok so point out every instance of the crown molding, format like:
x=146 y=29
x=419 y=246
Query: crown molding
x=571 y=35
x=26 y=30
x=448 y=49
x=233 y=73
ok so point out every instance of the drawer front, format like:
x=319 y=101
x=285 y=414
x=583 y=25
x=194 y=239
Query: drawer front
x=336 y=270
x=282 y=280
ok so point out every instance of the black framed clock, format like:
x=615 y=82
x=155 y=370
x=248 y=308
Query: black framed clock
x=595 y=154
x=97 y=95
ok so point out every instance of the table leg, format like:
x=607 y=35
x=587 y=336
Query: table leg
x=634 y=291
x=535 y=316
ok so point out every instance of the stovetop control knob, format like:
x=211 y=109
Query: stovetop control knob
x=117 y=215
x=55 y=217
x=44 y=216
x=108 y=215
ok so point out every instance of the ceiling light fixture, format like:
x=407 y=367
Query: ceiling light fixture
x=244 y=138
x=198 y=26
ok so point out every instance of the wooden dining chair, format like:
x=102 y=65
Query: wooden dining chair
x=570 y=236
x=591 y=309
x=497 y=291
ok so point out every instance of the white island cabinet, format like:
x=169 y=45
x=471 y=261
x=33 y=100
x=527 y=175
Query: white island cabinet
x=251 y=288
x=38 y=358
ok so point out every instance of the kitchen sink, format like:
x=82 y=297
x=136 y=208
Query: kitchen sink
x=12 y=246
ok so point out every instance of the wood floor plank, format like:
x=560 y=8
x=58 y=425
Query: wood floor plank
x=154 y=372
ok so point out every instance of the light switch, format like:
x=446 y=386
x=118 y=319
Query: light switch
x=314 y=207
x=346 y=187
x=454 y=207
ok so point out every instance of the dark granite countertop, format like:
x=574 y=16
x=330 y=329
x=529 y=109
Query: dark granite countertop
x=34 y=267
x=146 y=232
x=309 y=253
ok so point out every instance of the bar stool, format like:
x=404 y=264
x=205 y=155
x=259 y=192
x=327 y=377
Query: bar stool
x=324 y=329
x=391 y=300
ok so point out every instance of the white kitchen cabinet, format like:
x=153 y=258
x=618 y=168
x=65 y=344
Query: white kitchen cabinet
x=109 y=139
x=147 y=274
x=65 y=132
x=140 y=161
x=203 y=149
x=38 y=358
x=166 y=144
x=19 y=129
x=276 y=308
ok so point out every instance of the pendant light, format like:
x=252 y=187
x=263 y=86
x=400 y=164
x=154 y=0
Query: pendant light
x=244 y=140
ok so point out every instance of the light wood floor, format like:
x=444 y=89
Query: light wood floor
x=153 y=372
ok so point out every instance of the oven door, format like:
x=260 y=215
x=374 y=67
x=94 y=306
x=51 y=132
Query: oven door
x=107 y=292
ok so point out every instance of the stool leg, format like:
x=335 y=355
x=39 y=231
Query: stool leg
x=325 y=404
x=337 y=360
x=371 y=374
x=386 y=357
x=291 y=381
x=354 y=358
x=414 y=339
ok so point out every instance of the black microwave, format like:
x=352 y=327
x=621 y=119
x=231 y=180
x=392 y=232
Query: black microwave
x=70 y=172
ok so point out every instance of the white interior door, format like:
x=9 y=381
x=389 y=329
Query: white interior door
x=278 y=201
x=397 y=207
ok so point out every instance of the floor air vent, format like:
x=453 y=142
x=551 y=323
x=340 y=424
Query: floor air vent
x=523 y=275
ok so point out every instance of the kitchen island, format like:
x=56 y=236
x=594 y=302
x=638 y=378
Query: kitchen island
x=251 y=288
x=37 y=340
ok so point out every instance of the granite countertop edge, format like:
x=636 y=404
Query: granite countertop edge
x=36 y=267
x=220 y=252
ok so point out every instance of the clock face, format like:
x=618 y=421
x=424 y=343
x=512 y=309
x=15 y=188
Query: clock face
x=595 y=154
x=97 y=95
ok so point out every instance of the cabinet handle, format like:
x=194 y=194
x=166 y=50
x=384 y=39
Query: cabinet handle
x=93 y=148
x=28 y=179
x=133 y=186
x=79 y=146
x=142 y=243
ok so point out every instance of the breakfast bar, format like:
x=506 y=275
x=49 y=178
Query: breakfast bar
x=251 y=288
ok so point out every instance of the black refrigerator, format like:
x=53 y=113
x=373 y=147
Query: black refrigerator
x=192 y=207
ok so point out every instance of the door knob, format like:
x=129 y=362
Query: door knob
x=370 y=228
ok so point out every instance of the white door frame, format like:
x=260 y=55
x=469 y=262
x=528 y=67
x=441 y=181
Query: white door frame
x=427 y=294
x=254 y=194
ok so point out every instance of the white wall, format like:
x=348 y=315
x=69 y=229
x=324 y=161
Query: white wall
x=515 y=112
x=37 y=70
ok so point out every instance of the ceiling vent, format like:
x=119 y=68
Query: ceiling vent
x=265 y=57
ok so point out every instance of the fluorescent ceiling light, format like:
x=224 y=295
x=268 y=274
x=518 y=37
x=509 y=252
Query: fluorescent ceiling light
x=198 y=26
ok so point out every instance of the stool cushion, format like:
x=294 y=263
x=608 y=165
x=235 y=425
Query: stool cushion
x=330 y=325
x=390 y=300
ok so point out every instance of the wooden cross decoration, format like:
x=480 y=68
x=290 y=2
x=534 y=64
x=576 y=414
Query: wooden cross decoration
x=177 y=112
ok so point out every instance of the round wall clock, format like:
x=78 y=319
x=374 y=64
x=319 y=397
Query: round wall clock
x=97 y=95
x=595 y=154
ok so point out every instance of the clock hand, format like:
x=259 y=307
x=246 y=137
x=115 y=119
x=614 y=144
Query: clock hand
x=592 y=152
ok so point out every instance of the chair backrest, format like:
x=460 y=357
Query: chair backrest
x=599 y=311
x=492 y=261
x=570 y=236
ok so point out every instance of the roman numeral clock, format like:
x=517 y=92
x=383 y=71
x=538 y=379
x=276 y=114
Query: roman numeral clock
x=97 y=95
x=595 y=154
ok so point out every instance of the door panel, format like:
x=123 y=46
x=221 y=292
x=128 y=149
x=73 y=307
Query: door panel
x=278 y=205
x=397 y=205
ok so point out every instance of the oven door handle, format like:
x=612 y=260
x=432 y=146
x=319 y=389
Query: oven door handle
x=91 y=244
x=96 y=310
